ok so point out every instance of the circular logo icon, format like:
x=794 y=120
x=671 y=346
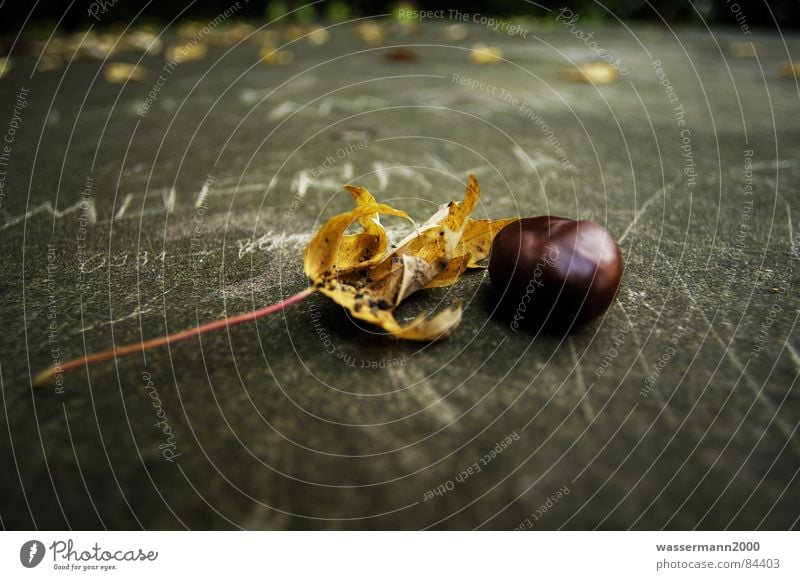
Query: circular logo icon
x=31 y=553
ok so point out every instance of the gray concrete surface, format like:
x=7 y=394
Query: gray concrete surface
x=678 y=409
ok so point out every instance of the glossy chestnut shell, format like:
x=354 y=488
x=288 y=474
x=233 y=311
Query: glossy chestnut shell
x=554 y=271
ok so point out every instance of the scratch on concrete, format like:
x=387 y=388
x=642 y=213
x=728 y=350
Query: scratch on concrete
x=169 y=197
x=123 y=206
x=47 y=208
x=586 y=404
x=644 y=207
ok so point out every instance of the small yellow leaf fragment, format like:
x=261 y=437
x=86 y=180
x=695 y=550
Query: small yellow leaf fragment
x=370 y=33
x=122 y=72
x=186 y=52
x=483 y=54
x=318 y=36
x=595 y=72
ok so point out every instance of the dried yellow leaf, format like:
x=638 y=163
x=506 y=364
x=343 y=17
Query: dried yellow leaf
x=363 y=274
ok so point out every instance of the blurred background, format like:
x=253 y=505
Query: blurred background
x=74 y=15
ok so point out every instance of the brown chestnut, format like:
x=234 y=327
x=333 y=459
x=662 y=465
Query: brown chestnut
x=554 y=271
